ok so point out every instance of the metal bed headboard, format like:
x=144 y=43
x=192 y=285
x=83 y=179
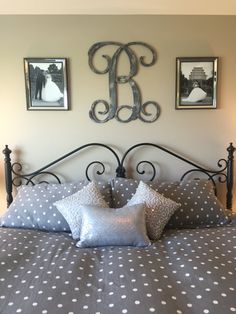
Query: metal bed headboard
x=224 y=174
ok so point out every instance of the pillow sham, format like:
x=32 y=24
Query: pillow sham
x=109 y=226
x=123 y=189
x=159 y=209
x=70 y=207
x=199 y=205
x=33 y=206
x=232 y=217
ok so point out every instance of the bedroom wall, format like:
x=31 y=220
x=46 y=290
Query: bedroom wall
x=38 y=137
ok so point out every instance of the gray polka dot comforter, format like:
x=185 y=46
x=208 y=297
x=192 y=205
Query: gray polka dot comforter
x=186 y=271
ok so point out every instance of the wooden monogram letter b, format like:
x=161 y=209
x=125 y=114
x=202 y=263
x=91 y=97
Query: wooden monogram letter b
x=112 y=109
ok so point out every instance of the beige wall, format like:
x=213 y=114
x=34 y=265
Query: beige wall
x=117 y=7
x=42 y=136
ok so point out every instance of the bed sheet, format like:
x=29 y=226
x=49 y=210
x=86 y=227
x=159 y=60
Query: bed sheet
x=186 y=271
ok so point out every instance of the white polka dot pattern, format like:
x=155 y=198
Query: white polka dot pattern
x=199 y=206
x=159 y=209
x=186 y=271
x=123 y=189
x=70 y=207
x=33 y=205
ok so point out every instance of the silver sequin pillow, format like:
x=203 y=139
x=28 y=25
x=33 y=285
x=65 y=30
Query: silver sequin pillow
x=109 y=226
x=70 y=207
x=159 y=209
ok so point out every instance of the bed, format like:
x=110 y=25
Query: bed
x=123 y=245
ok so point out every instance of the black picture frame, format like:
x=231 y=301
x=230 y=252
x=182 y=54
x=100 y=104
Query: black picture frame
x=196 y=82
x=46 y=83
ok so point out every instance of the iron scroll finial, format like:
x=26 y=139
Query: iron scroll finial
x=112 y=109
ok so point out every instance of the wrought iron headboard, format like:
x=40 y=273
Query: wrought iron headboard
x=13 y=171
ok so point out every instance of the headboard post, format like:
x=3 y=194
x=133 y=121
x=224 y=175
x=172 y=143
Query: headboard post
x=230 y=176
x=8 y=174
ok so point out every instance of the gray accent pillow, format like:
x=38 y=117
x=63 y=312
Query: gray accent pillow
x=159 y=209
x=70 y=207
x=199 y=205
x=33 y=205
x=109 y=226
x=232 y=217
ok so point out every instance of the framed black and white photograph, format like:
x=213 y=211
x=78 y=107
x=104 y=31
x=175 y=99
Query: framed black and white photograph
x=46 y=83
x=196 y=82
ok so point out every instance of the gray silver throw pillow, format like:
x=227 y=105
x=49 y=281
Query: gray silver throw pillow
x=159 y=209
x=33 y=206
x=70 y=207
x=109 y=226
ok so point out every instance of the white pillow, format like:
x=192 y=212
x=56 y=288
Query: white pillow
x=69 y=207
x=159 y=209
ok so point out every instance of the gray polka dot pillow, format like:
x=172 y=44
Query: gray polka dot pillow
x=123 y=189
x=232 y=216
x=199 y=205
x=33 y=205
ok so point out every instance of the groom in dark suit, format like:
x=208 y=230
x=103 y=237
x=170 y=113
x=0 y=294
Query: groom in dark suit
x=40 y=83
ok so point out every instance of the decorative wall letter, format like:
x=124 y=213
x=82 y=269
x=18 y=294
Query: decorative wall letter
x=112 y=109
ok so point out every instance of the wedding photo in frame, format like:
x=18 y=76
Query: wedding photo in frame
x=46 y=83
x=196 y=82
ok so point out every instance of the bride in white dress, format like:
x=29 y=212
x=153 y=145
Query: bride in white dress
x=197 y=94
x=51 y=91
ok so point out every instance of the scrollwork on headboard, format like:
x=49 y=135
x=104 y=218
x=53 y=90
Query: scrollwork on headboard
x=224 y=173
x=15 y=169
